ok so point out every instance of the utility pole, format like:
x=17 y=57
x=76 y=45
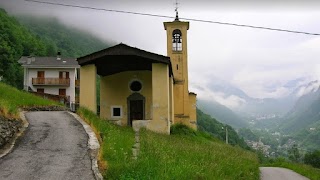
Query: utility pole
x=227 y=138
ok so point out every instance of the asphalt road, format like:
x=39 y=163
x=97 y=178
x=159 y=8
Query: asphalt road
x=53 y=147
x=274 y=173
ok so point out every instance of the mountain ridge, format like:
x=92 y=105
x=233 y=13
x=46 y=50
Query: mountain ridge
x=304 y=113
x=221 y=113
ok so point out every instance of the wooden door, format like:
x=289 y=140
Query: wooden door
x=136 y=110
x=40 y=77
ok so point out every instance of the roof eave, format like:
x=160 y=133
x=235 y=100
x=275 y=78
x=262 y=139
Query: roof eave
x=51 y=66
x=122 y=50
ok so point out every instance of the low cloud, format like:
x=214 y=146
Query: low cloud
x=308 y=89
x=230 y=101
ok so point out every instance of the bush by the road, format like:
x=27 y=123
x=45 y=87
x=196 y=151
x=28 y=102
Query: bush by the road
x=313 y=158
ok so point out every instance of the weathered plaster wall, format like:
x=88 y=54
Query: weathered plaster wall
x=88 y=87
x=160 y=95
x=171 y=101
x=114 y=91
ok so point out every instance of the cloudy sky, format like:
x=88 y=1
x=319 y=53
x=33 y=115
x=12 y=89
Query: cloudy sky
x=259 y=62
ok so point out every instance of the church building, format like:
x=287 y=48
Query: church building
x=141 y=87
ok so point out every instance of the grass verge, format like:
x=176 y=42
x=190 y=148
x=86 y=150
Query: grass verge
x=116 y=143
x=303 y=169
x=11 y=99
x=178 y=156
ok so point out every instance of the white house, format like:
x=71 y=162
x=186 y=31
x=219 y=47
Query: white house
x=55 y=76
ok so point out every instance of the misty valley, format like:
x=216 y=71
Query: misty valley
x=273 y=126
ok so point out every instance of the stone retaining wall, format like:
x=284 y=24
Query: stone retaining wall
x=45 y=108
x=8 y=129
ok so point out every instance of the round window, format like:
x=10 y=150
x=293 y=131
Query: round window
x=135 y=86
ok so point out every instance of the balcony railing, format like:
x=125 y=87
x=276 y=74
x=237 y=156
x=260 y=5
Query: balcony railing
x=51 y=81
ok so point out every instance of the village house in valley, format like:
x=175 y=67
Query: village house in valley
x=138 y=87
x=52 y=77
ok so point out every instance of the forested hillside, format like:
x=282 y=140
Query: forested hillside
x=38 y=37
x=16 y=41
x=303 y=121
x=304 y=114
x=69 y=41
x=208 y=124
x=222 y=113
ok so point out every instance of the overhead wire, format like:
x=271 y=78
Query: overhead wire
x=164 y=16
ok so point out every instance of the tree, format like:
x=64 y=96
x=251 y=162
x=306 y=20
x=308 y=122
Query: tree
x=294 y=154
x=313 y=158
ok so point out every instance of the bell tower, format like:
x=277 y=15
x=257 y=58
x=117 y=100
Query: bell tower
x=177 y=50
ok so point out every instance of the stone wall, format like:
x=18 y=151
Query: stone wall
x=8 y=129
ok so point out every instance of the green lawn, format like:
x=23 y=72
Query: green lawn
x=169 y=157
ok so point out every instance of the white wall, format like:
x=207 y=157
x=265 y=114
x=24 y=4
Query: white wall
x=52 y=73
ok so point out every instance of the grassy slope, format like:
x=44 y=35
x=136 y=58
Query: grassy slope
x=169 y=157
x=11 y=99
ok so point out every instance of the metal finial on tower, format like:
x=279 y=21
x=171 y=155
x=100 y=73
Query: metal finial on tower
x=176 y=10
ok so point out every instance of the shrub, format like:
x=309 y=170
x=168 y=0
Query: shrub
x=181 y=129
x=313 y=158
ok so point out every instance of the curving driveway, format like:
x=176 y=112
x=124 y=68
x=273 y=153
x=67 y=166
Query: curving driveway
x=53 y=147
x=275 y=173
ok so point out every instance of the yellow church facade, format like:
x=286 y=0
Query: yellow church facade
x=141 y=88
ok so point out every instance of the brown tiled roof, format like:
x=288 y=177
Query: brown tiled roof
x=48 y=62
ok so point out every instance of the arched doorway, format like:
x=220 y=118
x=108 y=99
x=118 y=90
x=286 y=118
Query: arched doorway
x=136 y=107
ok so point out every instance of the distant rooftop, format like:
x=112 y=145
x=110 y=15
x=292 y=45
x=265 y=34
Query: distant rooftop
x=48 y=62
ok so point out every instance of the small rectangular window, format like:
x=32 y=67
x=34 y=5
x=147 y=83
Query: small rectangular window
x=116 y=112
x=64 y=75
x=40 y=90
x=62 y=92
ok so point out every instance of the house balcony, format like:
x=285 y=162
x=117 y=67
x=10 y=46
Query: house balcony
x=51 y=81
